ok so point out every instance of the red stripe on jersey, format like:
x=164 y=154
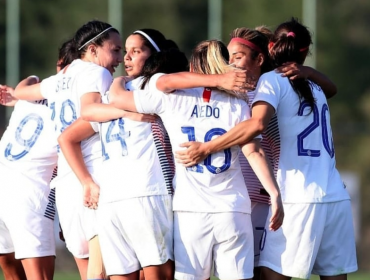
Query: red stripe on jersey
x=207 y=94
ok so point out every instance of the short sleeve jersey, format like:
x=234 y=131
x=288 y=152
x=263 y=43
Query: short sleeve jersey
x=200 y=114
x=137 y=159
x=64 y=91
x=306 y=170
x=29 y=144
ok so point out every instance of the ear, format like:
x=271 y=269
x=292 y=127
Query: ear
x=92 y=49
x=260 y=59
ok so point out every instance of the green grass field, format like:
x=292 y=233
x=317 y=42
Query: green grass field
x=75 y=276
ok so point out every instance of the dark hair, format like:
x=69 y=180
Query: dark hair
x=91 y=31
x=158 y=38
x=260 y=36
x=167 y=61
x=291 y=42
x=65 y=55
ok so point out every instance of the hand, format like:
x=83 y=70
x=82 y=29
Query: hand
x=294 y=71
x=236 y=80
x=140 y=117
x=91 y=192
x=277 y=216
x=6 y=96
x=195 y=153
x=94 y=196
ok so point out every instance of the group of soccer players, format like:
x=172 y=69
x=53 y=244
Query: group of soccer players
x=128 y=209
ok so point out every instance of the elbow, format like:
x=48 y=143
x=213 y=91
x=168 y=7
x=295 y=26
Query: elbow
x=260 y=126
x=61 y=141
x=88 y=116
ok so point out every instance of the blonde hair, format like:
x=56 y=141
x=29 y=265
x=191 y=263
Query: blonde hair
x=212 y=57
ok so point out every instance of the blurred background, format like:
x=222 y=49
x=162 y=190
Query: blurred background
x=32 y=31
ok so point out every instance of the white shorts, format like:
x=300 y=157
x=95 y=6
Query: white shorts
x=224 y=240
x=24 y=227
x=324 y=245
x=259 y=214
x=135 y=233
x=79 y=223
x=6 y=243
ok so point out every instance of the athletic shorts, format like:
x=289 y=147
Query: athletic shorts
x=221 y=240
x=6 y=243
x=258 y=215
x=135 y=233
x=78 y=223
x=25 y=228
x=314 y=238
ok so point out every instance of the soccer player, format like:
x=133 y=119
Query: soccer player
x=248 y=50
x=144 y=149
x=32 y=233
x=211 y=204
x=317 y=235
x=97 y=47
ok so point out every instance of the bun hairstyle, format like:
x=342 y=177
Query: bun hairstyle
x=96 y=32
x=290 y=43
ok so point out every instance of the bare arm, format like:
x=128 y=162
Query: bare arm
x=242 y=133
x=257 y=159
x=70 y=144
x=295 y=71
x=28 y=89
x=95 y=111
x=120 y=97
x=99 y=112
x=234 y=80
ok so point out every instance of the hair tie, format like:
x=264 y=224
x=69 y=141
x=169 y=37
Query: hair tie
x=303 y=49
x=149 y=39
x=271 y=45
x=247 y=43
x=291 y=34
x=95 y=37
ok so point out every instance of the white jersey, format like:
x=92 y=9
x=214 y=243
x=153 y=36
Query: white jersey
x=29 y=144
x=306 y=172
x=137 y=158
x=64 y=91
x=271 y=145
x=199 y=114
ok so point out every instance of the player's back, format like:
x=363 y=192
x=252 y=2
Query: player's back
x=217 y=184
x=307 y=171
x=29 y=144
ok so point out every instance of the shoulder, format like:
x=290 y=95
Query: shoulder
x=272 y=77
x=134 y=84
x=90 y=68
